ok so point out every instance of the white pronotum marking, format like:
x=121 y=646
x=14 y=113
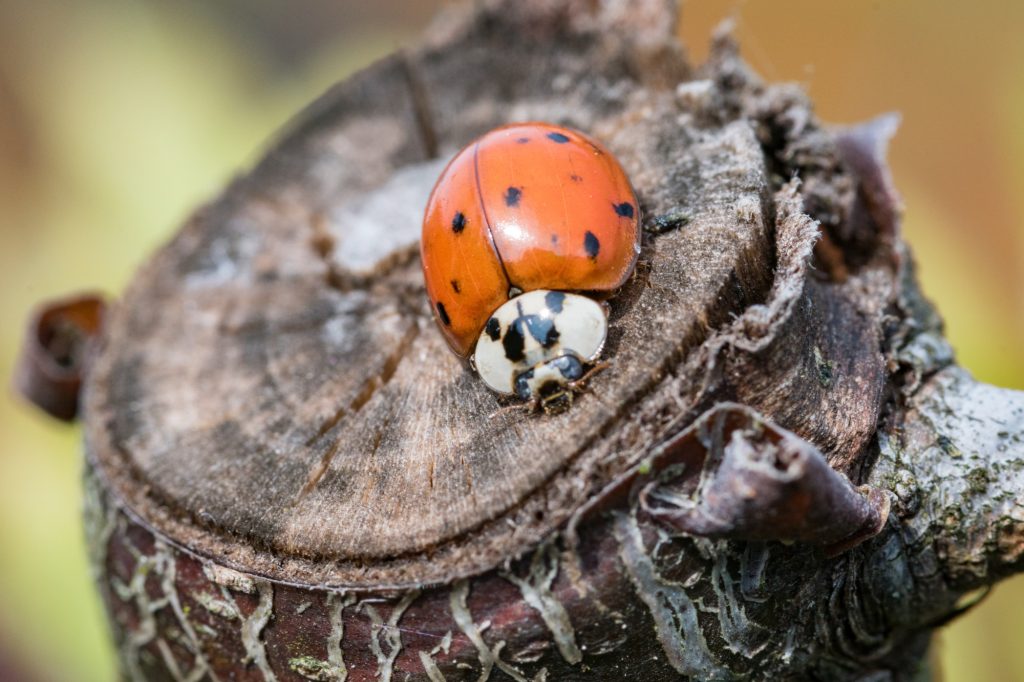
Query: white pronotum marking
x=581 y=328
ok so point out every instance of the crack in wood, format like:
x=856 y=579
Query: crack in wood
x=420 y=104
x=344 y=281
x=367 y=392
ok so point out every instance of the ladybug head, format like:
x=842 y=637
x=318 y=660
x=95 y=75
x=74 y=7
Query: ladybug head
x=550 y=383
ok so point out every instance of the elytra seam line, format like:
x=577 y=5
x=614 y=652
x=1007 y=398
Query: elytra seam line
x=483 y=209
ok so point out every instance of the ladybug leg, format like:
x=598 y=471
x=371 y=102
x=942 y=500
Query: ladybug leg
x=527 y=407
x=597 y=367
x=579 y=385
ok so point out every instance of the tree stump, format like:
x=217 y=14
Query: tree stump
x=782 y=475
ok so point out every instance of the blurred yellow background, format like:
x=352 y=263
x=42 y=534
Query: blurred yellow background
x=117 y=117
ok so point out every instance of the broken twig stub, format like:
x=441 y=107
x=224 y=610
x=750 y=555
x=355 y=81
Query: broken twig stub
x=57 y=352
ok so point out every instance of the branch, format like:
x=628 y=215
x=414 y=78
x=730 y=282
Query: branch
x=956 y=465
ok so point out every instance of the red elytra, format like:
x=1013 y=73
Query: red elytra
x=526 y=206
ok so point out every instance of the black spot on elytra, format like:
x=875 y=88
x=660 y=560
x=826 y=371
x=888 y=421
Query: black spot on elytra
x=625 y=209
x=512 y=196
x=493 y=328
x=443 y=314
x=458 y=222
x=455 y=286
x=514 y=342
x=522 y=140
x=558 y=137
x=591 y=244
x=554 y=301
x=575 y=178
x=554 y=239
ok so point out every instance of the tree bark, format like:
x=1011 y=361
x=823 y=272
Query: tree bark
x=782 y=474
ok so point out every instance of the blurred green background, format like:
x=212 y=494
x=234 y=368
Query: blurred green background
x=117 y=117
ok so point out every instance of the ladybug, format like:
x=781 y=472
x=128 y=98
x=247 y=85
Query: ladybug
x=525 y=226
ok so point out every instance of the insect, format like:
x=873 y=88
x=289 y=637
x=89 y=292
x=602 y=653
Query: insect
x=524 y=228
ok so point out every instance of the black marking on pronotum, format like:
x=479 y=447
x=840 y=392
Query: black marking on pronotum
x=522 y=140
x=542 y=329
x=455 y=286
x=575 y=178
x=513 y=195
x=591 y=245
x=554 y=300
x=513 y=342
x=558 y=137
x=443 y=314
x=625 y=209
x=523 y=384
x=458 y=222
x=493 y=328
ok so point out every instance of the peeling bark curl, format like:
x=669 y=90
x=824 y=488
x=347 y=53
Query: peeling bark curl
x=758 y=482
